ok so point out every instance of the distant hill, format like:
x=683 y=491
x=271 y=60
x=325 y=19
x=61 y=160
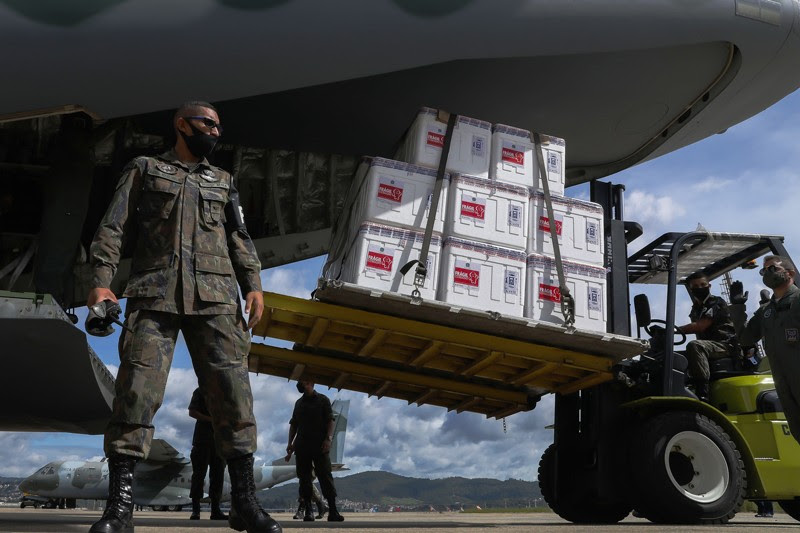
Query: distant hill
x=385 y=488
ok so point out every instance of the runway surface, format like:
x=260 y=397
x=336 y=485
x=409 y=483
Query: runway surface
x=67 y=521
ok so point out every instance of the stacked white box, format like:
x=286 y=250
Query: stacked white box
x=554 y=150
x=375 y=254
x=487 y=211
x=579 y=225
x=395 y=193
x=481 y=276
x=513 y=160
x=586 y=283
x=469 y=148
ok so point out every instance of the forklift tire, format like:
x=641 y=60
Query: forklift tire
x=686 y=470
x=792 y=508
x=574 y=510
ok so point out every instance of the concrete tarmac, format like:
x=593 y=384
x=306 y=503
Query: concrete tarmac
x=67 y=521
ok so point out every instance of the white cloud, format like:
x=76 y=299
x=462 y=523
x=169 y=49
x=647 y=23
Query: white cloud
x=711 y=183
x=646 y=207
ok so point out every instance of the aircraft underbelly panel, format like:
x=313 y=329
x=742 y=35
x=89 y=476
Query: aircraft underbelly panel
x=50 y=379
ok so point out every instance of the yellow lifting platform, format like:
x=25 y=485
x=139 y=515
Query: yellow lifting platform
x=464 y=360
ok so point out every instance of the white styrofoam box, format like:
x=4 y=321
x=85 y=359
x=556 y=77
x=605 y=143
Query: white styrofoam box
x=395 y=193
x=481 y=276
x=488 y=211
x=376 y=253
x=469 y=149
x=554 y=150
x=579 y=225
x=586 y=283
x=513 y=160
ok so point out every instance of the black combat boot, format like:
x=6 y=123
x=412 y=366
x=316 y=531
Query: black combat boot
x=333 y=513
x=321 y=508
x=216 y=512
x=299 y=514
x=118 y=516
x=308 y=516
x=195 y=509
x=246 y=513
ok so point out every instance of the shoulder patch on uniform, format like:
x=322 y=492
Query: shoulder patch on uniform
x=792 y=335
x=166 y=169
x=768 y=313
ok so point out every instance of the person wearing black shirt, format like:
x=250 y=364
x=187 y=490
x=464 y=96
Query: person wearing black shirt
x=310 y=437
x=714 y=330
x=204 y=456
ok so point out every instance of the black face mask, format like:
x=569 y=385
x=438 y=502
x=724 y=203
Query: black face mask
x=200 y=144
x=700 y=293
x=300 y=388
x=774 y=279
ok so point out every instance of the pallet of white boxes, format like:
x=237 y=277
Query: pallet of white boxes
x=491 y=247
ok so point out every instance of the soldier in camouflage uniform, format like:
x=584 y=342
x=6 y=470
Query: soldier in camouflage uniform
x=777 y=324
x=191 y=249
x=713 y=327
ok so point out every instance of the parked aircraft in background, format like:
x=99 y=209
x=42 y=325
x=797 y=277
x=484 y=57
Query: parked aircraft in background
x=163 y=480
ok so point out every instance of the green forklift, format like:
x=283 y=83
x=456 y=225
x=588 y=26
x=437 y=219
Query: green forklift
x=644 y=441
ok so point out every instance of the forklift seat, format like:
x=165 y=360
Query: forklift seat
x=728 y=367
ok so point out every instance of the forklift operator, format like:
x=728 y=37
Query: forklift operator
x=713 y=327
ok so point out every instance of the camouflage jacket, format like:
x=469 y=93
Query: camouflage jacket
x=189 y=236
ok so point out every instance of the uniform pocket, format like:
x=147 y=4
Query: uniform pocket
x=214 y=277
x=213 y=205
x=160 y=193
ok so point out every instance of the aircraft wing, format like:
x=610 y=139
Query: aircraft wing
x=50 y=379
x=162 y=452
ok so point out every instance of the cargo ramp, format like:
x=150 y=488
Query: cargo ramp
x=383 y=344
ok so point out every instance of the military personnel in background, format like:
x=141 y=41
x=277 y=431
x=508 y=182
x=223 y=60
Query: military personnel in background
x=191 y=248
x=713 y=328
x=204 y=458
x=310 y=437
x=777 y=324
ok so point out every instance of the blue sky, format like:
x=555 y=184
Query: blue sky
x=745 y=180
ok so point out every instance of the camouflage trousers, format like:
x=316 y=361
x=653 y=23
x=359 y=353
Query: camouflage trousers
x=218 y=346
x=699 y=353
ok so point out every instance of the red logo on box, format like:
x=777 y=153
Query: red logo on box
x=435 y=139
x=549 y=292
x=390 y=192
x=515 y=157
x=379 y=261
x=544 y=224
x=466 y=276
x=472 y=209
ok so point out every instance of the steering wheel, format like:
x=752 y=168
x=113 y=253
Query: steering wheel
x=682 y=335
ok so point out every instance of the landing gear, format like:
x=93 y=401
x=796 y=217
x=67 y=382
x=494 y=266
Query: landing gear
x=686 y=469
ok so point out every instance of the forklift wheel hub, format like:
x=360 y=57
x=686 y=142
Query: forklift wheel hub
x=708 y=478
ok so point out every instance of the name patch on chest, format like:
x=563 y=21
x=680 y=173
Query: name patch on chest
x=792 y=335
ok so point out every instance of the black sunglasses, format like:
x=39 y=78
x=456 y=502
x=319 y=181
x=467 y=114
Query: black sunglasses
x=771 y=268
x=207 y=122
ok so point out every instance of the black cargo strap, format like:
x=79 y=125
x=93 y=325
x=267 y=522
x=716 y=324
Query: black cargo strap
x=422 y=262
x=567 y=302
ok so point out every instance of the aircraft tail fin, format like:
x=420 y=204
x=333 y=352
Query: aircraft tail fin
x=341 y=408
